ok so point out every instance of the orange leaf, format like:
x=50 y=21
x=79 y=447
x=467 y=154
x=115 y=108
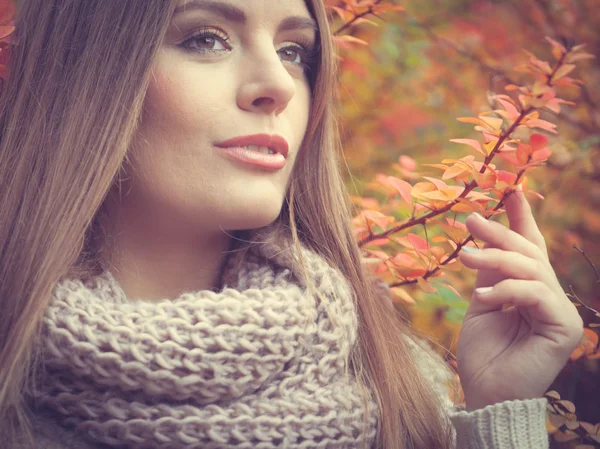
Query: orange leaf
x=486 y=180
x=418 y=242
x=381 y=220
x=362 y=20
x=436 y=182
x=579 y=57
x=507 y=177
x=542 y=124
x=465 y=205
x=422 y=187
x=492 y=122
x=454 y=171
x=512 y=113
x=541 y=155
x=388 y=7
x=587 y=344
x=402 y=260
x=344 y=14
x=456 y=224
x=425 y=285
x=442 y=166
x=471 y=142
x=403 y=187
x=348 y=42
x=563 y=71
x=556 y=45
x=510 y=158
x=523 y=153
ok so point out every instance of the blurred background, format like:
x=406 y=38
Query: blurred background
x=400 y=95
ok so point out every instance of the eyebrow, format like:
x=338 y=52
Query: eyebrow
x=235 y=14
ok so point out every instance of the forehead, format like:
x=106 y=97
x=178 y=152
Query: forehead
x=246 y=8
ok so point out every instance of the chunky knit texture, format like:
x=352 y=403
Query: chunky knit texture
x=259 y=364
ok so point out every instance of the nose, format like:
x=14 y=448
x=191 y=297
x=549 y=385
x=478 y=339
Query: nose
x=267 y=86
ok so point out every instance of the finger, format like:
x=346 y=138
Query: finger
x=507 y=292
x=521 y=220
x=546 y=311
x=499 y=236
x=509 y=264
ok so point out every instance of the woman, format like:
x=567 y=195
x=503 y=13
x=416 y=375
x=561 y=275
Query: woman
x=182 y=149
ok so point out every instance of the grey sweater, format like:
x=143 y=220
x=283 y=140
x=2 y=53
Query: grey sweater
x=506 y=425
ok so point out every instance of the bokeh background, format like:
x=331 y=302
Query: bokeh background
x=400 y=95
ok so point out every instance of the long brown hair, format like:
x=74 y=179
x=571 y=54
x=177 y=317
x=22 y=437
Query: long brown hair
x=68 y=113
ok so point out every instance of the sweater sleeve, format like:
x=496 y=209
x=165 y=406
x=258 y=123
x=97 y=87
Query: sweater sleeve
x=515 y=424
x=518 y=424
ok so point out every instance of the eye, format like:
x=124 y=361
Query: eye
x=292 y=54
x=304 y=57
x=207 y=40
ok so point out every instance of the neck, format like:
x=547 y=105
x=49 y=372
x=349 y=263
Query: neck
x=154 y=257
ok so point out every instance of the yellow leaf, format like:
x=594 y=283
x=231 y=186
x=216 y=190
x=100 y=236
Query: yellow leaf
x=442 y=166
x=425 y=285
x=464 y=205
x=493 y=123
x=453 y=171
x=381 y=220
x=579 y=57
x=563 y=71
x=401 y=294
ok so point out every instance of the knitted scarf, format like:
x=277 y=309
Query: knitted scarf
x=262 y=363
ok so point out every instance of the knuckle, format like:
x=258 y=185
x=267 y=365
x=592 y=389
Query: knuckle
x=540 y=266
x=538 y=253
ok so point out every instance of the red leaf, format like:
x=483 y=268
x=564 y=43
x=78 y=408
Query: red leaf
x=538 y=141
x=507 y=177
x=541 y=155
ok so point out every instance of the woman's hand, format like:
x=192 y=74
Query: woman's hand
x=514 y=353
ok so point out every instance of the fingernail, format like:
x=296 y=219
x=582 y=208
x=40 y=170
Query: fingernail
x=470 y=249
x=483 y=290
x=478 y=216
x=520 y=187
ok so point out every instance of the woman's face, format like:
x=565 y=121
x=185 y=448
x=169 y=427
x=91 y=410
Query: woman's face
x=227 y=69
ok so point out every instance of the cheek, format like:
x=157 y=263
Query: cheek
x=182 y=99
x=301 y=116
x=168 y=104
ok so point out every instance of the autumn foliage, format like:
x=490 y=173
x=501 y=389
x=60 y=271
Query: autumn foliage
x=411 y=207
x=7 y=14
x=407 y=72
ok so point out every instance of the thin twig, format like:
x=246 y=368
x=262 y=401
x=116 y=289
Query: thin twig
x=495 y=71
x=468 y=187
x=348 y=24
x=578 y=299
x=589 y=261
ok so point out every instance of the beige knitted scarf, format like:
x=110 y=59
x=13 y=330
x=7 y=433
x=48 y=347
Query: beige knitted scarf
x=260 y=364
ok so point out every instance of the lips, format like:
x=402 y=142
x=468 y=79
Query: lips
x=273 y=141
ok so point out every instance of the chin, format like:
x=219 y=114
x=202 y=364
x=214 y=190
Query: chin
x=252 y=219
